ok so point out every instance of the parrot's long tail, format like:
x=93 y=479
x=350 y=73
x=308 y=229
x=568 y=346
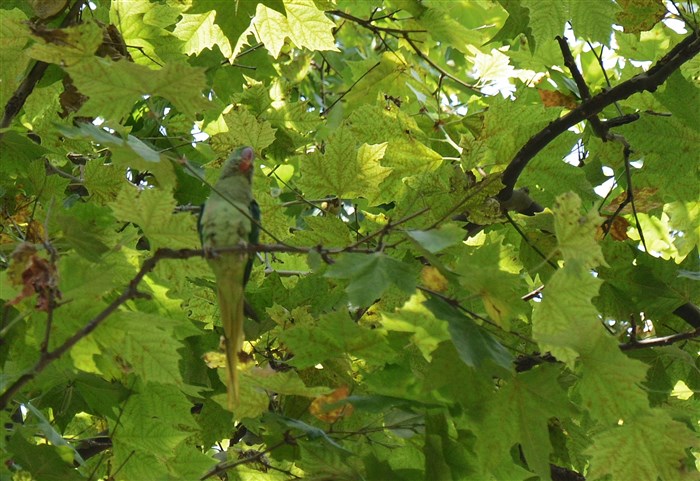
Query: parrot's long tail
x=231 y=301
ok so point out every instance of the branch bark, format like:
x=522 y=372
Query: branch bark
x=647 y=81
x=660 y=341
x=131 y=292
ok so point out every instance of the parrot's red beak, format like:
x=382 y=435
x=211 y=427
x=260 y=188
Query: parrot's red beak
x=247 y=156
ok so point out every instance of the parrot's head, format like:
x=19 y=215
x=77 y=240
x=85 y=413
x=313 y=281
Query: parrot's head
x=239 y=163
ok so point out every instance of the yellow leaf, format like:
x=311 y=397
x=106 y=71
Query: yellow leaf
x=432 y=279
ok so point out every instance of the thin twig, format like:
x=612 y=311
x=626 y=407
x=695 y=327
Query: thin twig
x=660 y=341
x=629 y=195
x=456 y=304
x=369 y=24
x=405 y=34
x=132 y=292
x=599 y=59
x=225 y=466
x=517 y=228
x=389 y=225
x=49 y=166
x=326 y=110
x=442 y=71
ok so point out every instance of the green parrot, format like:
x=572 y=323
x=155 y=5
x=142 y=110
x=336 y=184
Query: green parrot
x=229 y=218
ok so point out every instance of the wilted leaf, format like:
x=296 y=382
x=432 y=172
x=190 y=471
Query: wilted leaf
x=553 y=98
x=321 y=410
x=35 y=275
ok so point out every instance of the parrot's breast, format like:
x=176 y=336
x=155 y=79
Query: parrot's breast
x=224 y=225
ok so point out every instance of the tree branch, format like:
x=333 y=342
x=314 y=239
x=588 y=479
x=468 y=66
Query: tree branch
x=47 y=358
x=442 y=71
x=369 y=24
x=132 y=292
x=647 y=81
x=16 y=102
x=583 y=89
x=660 y=341
x=405 y=34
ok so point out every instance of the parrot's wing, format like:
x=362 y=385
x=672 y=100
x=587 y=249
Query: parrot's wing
x=253 y=237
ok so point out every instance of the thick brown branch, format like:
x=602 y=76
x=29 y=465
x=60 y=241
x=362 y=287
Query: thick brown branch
x=583 y=90
x=690 y=313
x=647 y=81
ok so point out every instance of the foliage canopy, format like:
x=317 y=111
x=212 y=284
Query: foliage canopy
x=480 y=248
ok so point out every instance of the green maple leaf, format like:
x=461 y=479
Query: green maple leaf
x=646 y=447
x=435 y=240
x=155 y=421
x=547 y=19
x=473 y=343
x=329 y=231
x=199 y=32
x=152 y=210
x=528 y=401
x=610 y=382
x=272 y=28
x=656 y=141
x=309 y=27
x=305 y=25
x=491 y=272
x=587 y=19
x=415 y=317
x=43 y=461
x=566 y=307
x=69 y=46
x=150 y=349
x=13 y=36
x=243 y=128
x=345 y=170
x=114 y=87
x=575 y=232
x=638 y=16
x=332 y=336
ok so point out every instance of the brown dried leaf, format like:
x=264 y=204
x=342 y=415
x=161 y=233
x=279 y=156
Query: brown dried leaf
x=113 y=45
x=71 y=99
x=35 y=232
x=644 y=201
x=56 y=36
x=557 y=99
x=319 y=406
x=36 y=275
x=618 y=229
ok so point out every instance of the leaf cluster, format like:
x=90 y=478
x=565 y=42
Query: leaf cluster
x=479 y=257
